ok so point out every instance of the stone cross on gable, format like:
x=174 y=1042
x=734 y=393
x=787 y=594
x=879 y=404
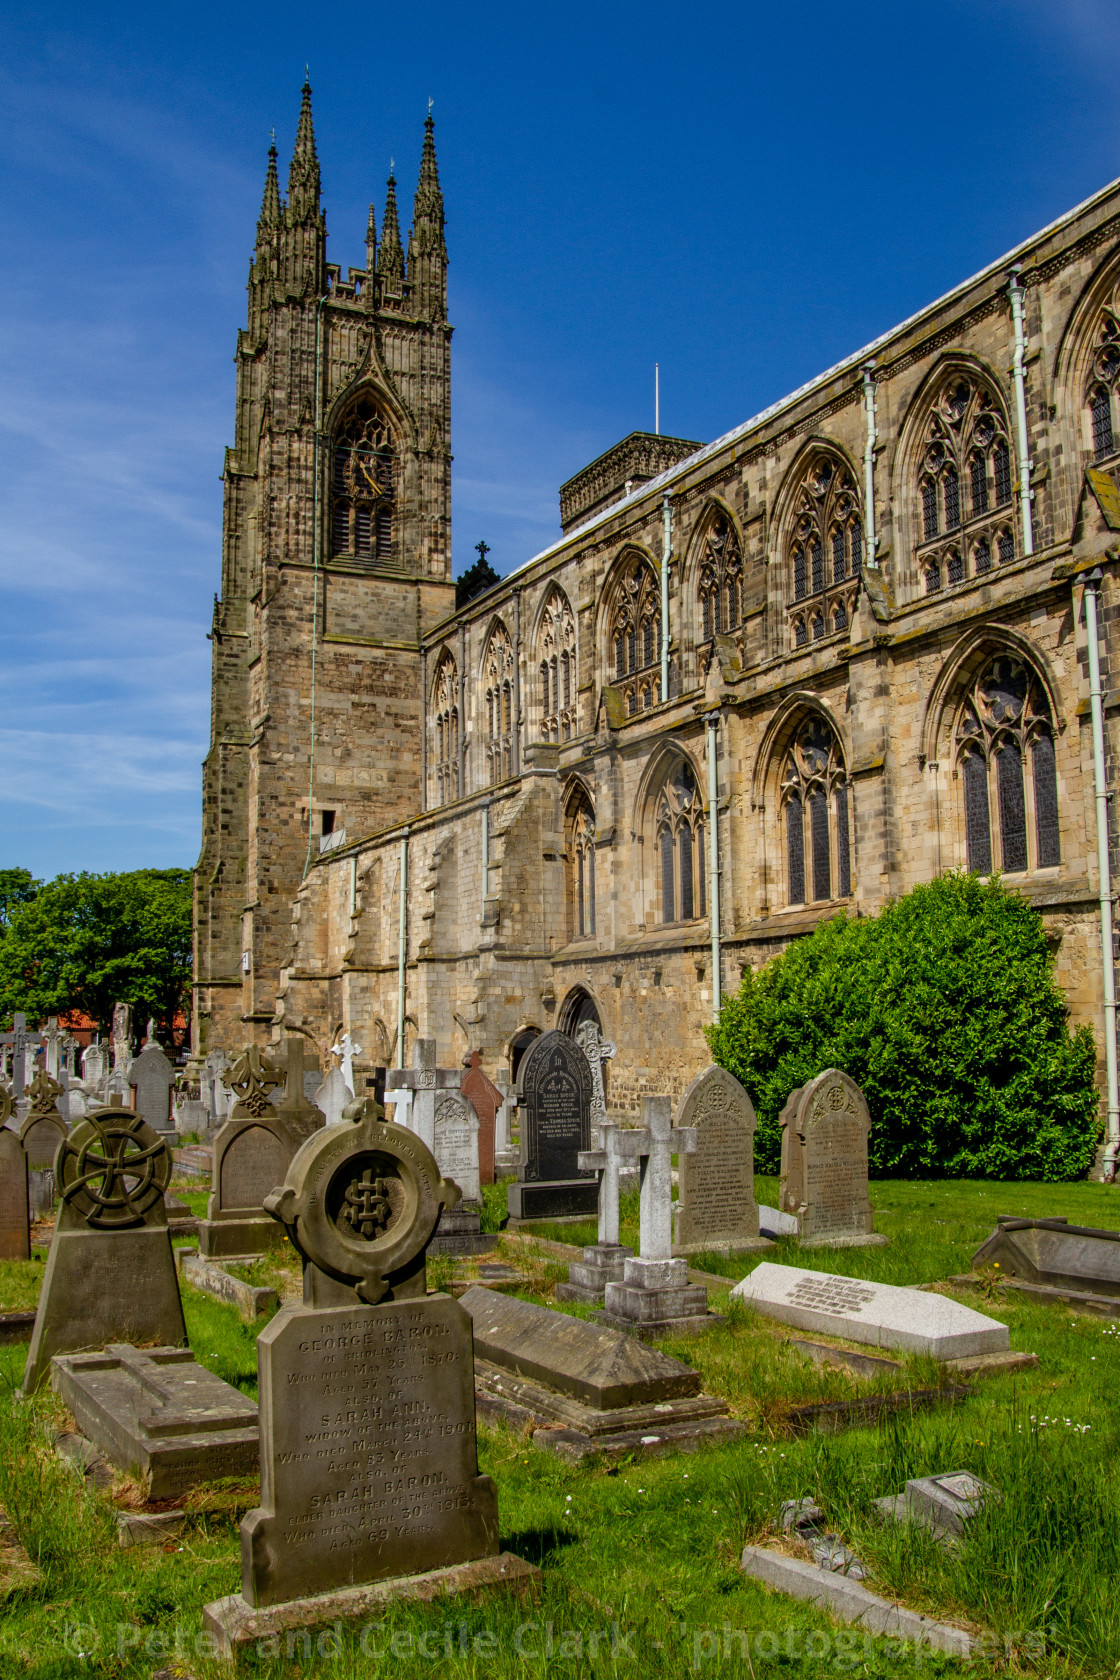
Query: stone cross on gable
x=416 y=1106
x=20 y=1039
x=345 y=1049
x=597 y=1051
x=654 y=1146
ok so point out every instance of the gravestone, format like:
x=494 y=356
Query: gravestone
x=151 y=1077
x=118 y=1088
x=110 y=1275
x=95 y=1071
x=598 y=1053
x=294 y=1107
x=604 y=1261
x=879 y=1313
x=944 y=1504
x=19 y=1044
x=486 y=1099
x=655 y=1297
x=1051 y=1259
x=369 y=1473
x=332 y=1097
x=15 y=1224
x=554 y=1096
x=412 y=1091
x=40 y=1133
x=824 y=1163
x=345 y=1050
x=456 y=1152
x=250 y=1158
x=717 y=1208
x=506 y=1153
x=214 y=1091
x=159 y=1415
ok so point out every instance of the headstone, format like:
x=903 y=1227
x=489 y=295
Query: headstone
x=214 y=1090
x=159 y=1415
x=250 y=1158
x=878 y=1313
x=456 y=1152
x=52 y=1046
x=506 y=1154
x=369 y=1471
x=345 y=1050
x=151 y=1077
x=15 y=1224
x=122 y=1037
x=717 y=1206
x=554 y=1101
x=332 y=1097
x=110 y=1275
x=598 y=1053
x=609 y=1392
x=95 y=1070
x=295 y=1107
x=944 y=1504
x=824 y=1163
x=486 y=1099
x=1051 y=1257
x=40 y=1133
x=413 y=1090
x=655 y=1297
x=604 y=1261
x=20 y=1044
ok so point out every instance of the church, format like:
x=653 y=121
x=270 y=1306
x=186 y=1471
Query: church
x=757 y=682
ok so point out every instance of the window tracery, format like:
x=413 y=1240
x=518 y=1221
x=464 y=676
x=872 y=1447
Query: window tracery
x=635 y=637
x=498 y=677
x=814 y=797
x=679 y=827
x=825 y=551
x=556 y=652
x=445 y=728
x=964 y=485
x=581 y=851
x=721 y=580
x=1006 y=763
x=363 y=486
x=1102 y=380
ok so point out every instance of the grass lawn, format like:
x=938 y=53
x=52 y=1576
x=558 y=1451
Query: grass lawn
x=640 y=1561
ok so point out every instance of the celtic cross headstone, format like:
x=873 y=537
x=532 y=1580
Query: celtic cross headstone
x=110 y=1276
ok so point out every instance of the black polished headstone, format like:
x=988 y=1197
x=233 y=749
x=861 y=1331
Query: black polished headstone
x=554 y=1093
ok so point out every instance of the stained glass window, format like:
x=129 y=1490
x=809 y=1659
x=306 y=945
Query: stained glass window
x=1012 y=809
x=843 y=853
x=929 y=509
x=839 y=564
x=982 y=556
x=956 y=566
x=1100 y=412
x=1005 y=543
x=952 y=499
x=1045 y=800
x=977 y=828
x=978 y=478
x=815 y=808
x=1006 y=757
x=795 y=845
x=1001 y=461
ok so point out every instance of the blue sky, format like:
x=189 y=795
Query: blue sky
x=744 y=193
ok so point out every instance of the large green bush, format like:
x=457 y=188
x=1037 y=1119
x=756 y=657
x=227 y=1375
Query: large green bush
x=945 y=1011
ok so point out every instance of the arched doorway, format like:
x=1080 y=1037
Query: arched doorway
x=518 y=1048
x=579 y=1006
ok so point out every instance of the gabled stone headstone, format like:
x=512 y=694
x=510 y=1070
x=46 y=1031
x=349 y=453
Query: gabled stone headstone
x=554 y=1102
x=486 y=1099
x=717 y=1208
x=15 y=1224
x=152 y=1077
x=110 y=1275
x=251 y=1155
x=41 y=1132
x=456 y=1151
x=95 y=1071
x=369 y=1471
x=824 y=1163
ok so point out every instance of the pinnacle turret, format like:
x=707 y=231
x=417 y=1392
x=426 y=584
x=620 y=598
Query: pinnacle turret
x=371 y=244
x=390 y=262
x=427 y=250
x=271 y=207
x=303 y=175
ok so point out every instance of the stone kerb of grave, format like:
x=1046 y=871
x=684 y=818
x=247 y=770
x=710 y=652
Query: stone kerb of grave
x=1052 y=1260
x=824 y=1163
x=555 y=1094
x=251 y=1155
x=110 y=1275
x=395 y=1505
x=717 y=1209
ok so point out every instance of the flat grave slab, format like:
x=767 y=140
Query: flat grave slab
x=158 y=1414
x=878 y=1313
x=1054 y=1254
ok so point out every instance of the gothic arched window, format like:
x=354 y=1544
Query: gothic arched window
x=1005 y=759
x=964 y=480
x=497 y=676
x=581 y=852
x=363 y=486
x=815 y=813
x=679 y=829
x=826 y=547
x=721 y=580
x=1102 y=380
x=445 y=728
x=556 y=654
x=635 y=635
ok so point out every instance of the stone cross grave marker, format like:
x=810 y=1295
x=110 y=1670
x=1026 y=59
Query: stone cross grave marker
x=295 y=1109
x=413 y=1090
x=152 y=1076
x=486 y=1099
x=20 y=1041
x=598 y=1052
x=110 y=1275
x=251 y=1155
x=824 y=1163
x=52 y=1046
x=15 y=1223
x=717 y=1208
x=604 y=1261
x=346 y=1050
x=555 y=1093
x=214 y=1091
x=369 y=1470
x=655 y=1295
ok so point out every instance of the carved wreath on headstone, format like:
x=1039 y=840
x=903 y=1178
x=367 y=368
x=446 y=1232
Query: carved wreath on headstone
x=113 y=1169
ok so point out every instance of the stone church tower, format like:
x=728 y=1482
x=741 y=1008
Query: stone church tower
x=336 y=562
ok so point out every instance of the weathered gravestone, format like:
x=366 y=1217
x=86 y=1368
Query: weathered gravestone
x=717 y=1207
x=369 y=1476
x=110 y=1276
x=301 y=1077
x=554 y=1100
x=1054 y=1260
x=152 y=1077
x=15 y=1224
x=95 y=1072
x=159 y=1415
x=332 y=1097
x=879 y=1313
x=824 y=1163
x=456 y=1152
x=213 y=1090
x=251 y=1156
x=486 y=1099
x=412 y=1091
x=604 y=1261
x=41 y=1132
x=506 y=1153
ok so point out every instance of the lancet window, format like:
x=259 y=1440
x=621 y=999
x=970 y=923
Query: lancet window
x=679 y=829
x=1006 y=766
x=581 y=854
x=363 y=486
x=1103 y=379
x=825 y=552
x=445 y=728
x=816 y=816
x=635 y=637
x=964 y=486
x=556 y=652
x=498 y=678
x=721 y=580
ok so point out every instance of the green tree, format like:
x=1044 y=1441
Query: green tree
x=17 y=886
x=945 y=1011
x=85 y=942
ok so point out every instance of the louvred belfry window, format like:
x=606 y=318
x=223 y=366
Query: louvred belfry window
x=1006 y=764
x=363 y=487
x=815 y=815
x=825 y=551
x=964 y=486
